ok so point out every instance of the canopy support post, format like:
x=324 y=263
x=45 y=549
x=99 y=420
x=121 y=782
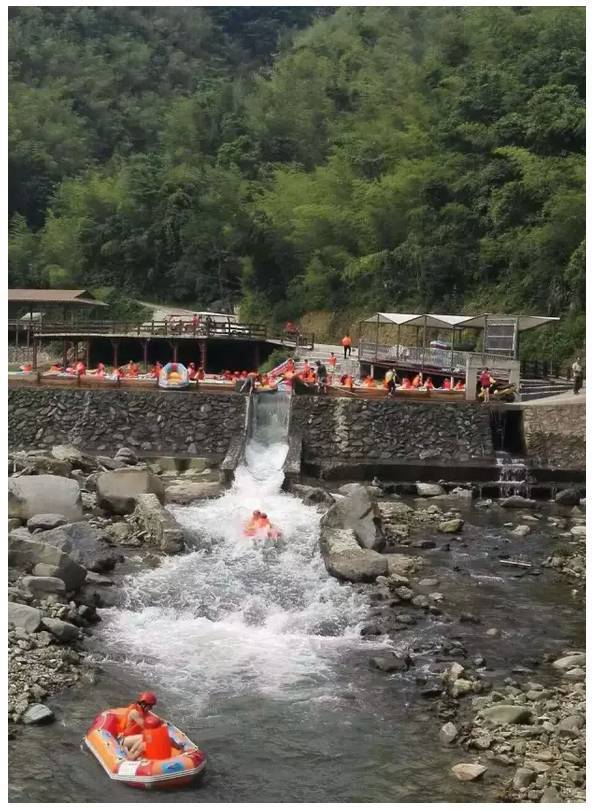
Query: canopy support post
x=398 y=343
x=423 y=347
x=376 y=336
x=145 y=344
x=452 y=356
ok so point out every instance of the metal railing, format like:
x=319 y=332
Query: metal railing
x=541 y=369
x=167 y=328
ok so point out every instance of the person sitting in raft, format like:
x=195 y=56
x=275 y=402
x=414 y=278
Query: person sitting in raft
x=132 y=724
x=406 y=383
x=417 y=381
x=252 y=524
x=80 y=368
x=369 y=382
x=156 y=740
x=459 y=386
x=191 y=371
x=290 y=364
x=200 y=374
x=429 y=384
x=446 y=384
x=27 y=367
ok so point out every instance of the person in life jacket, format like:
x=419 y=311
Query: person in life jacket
x=252 y=525
x=191 y=371
x=447 y=384
x=200 y=374
x=486 y=381
x=429 y=384
x=417 y=381
x=132 y=724
x=332 y=361
x=459 y=386
x=264 y=521
x=346 y=345
x=81 y=368
x=406 y=383
x=157 y=743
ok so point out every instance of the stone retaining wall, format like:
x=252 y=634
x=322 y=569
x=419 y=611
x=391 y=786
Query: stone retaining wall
x=555 y=436
x=168 y=423
x=347 y=429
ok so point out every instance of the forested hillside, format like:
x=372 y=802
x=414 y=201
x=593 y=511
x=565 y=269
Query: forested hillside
x=294 y=159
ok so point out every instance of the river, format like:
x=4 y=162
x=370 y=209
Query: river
x=256 y=653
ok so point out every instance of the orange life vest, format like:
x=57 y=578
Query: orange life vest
x=346 y=341
x=157 y=744
x=127 y=724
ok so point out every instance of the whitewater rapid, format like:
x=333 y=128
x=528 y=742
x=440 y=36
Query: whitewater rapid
x=236 y=615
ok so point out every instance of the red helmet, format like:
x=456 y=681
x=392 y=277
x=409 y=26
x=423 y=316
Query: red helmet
x=147 y=697
x=152 y=721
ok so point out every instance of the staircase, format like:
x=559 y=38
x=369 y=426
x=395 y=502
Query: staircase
x=546 y=387
x=348 y=366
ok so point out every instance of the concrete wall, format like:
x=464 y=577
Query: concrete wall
x=555 y=436
x=347 y=430
x=171 y=423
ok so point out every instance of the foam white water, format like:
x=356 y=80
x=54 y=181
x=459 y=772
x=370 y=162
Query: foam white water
x=237 y=615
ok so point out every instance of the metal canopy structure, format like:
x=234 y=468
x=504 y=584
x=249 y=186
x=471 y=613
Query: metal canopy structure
x=433 y=321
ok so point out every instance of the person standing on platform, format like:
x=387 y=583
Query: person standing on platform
x=346 y=345
x=578 y=375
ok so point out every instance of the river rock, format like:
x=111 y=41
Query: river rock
x=571 y=726
x=118 y=532
x=63 y=631
x=84 y=543
x=372 y=491
x=74 y=456
x=522 y=530
x=41 y=586
x=43 y=522
x=359 y=514
x=127 y=456
x=118 y=490
x=27 y=554
x=37 y=714
x=460 y=492
x=550 y=795
x=184 y=492
x=312 y=496
x=23 y=616
x=578 y=531
x=162 y=529
x=31 y=495
x=504 y=715
x=451 y=526
x=468 y=771
x=426 y=490
x=570 y=661
x=523 y=777
x=448 y=733
x=391 y=663
x=517 y=502
x=402 y=564
x=569 y=497
x=345 y=559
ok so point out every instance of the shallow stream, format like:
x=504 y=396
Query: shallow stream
x=256 y=653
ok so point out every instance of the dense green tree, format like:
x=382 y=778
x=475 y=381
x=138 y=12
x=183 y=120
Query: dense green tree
x=291 y=159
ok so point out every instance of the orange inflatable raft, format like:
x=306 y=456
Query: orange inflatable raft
x=179 y=769
x=262 y=533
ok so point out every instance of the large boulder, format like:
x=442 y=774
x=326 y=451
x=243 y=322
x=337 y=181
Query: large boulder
x=118 y=490
x=468 y=771
x=83 y=543
x=28 y=554
x=44 y=522
x=23 y=616
x=30 y=495
x=38 y=463
x=345 y=559
x=63 y=631
x=42 y=586
x=570 y=661
x=184 y=492
x=358 y=513
x=162 y=530
x=569 y=497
